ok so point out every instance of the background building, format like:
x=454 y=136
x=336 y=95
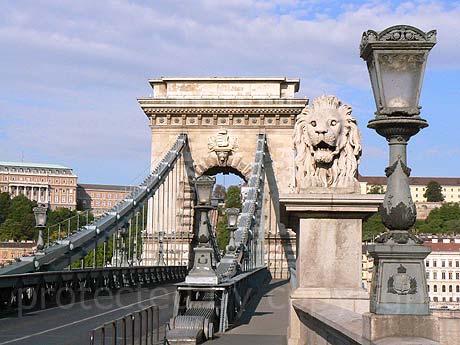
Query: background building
x=99 y=198
x=52 y=184
x=11 y=250
x=450 y=186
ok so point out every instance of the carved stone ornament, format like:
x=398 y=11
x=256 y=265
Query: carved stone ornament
x=398 y=237
x=327 y=142
x=398 y=33
x=401 y=283
x=223 y=145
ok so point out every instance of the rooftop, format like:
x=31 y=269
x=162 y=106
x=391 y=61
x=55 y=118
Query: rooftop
x=104 y=187
x=33 y=165
x=225 y=87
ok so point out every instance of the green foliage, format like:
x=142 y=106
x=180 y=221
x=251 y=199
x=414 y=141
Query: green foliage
x=372 y=227
x=223 y=235
x=18 y=219
x=233 y=197
x=433 y=192
x=445 y=219
x=5 y=203
x=376 y=189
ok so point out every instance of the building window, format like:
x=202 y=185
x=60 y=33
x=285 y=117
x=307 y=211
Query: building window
x=435 y=288
x=427 y=275
x=428 y=288
x=457 y=263
x=63 y=198
x=443 y=275
x=56 y=198
x=443 y=263
x=451 y=289
x=103 y=203
x=451 y=275
x=70 y=199
x=450 y=263
x=443 y=288
x=435 y=299
x=451 y=299
x=435 y=263
x=427 y=263
x=457 y=288
x=457 y=275
x=109 y=203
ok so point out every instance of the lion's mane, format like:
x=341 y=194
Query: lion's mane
x=344 y=167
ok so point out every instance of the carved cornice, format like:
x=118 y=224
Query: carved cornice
x=405 y=36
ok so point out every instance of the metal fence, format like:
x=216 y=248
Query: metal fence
x=139 y=328
x=40 y=290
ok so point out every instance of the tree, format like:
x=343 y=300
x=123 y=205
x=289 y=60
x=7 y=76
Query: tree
x=219 y=192
x=5 y=203
x=19 y=223
x=233 y=197
x=372 y=227
x=376 y=189
x=445 y=219
x=433 y=192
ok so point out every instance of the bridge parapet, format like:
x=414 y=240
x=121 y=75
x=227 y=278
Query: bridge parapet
x=324 y=322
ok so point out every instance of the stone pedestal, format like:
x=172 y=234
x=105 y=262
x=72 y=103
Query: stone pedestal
x=399 y=284
x=329 y=249
x=203 y=270
x=377 y=327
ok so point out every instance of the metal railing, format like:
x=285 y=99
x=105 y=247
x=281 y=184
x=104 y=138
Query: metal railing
x=40 y=290
x=139 y=328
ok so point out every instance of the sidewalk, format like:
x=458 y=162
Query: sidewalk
x=265 y=320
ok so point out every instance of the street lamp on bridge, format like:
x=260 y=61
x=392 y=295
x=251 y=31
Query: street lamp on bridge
x=232 y=224
x=40 y=213
x=396 y=59
x=204 y=263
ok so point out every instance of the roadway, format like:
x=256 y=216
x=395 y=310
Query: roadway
x=71 y=324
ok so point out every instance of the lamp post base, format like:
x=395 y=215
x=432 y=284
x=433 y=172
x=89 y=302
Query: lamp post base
x=202 y=271
x=399 y=283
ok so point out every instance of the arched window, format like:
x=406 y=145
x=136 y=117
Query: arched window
x=443 y=288
x=435 y=288
x=457 y=288
x=450 y=288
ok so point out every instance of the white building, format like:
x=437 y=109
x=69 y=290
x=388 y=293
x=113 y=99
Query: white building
x=443 y=272
x=450 y=186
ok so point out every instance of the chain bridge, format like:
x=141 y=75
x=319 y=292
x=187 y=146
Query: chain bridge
x=294 y=184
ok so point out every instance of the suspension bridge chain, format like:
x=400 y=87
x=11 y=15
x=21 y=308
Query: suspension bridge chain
x=247 y=237
x=122 y=216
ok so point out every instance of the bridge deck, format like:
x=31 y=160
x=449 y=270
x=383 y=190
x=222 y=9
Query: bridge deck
x=265 y=320
x=71 y=324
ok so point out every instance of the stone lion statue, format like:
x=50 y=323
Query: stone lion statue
x=327 y=142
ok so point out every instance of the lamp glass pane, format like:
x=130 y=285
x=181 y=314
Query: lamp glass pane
x=400 y=76
x=374 y=82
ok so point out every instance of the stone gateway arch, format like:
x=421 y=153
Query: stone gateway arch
x=222 y=118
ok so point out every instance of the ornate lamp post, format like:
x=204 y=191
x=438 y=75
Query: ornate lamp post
x=161 y=258
x=202 y=271
x=232 y=225
x=40 y=222
x=396 y=59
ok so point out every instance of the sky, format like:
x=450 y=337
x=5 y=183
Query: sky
x=71 y=72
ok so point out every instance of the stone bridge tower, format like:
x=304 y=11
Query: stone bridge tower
x=222 y=117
